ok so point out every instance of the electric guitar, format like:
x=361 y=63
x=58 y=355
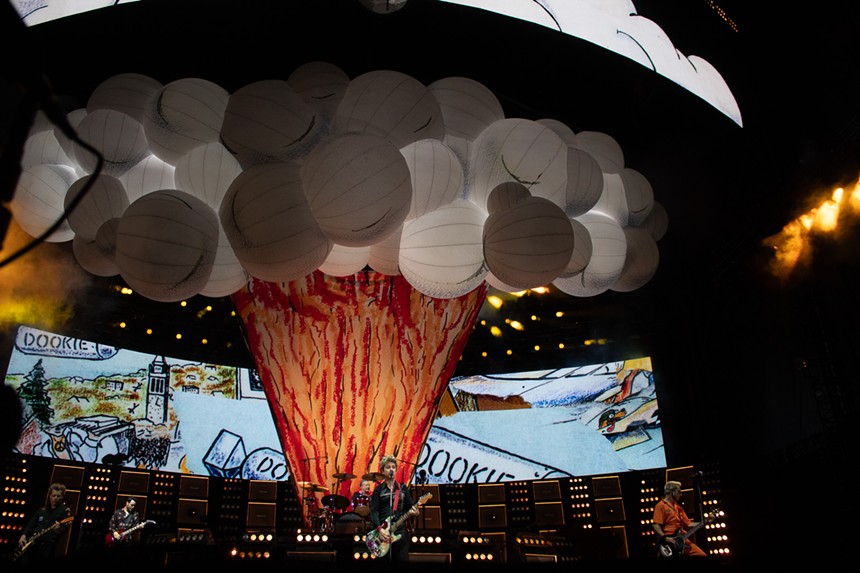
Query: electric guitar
x=673 y=545
x=123 y=535
x=377 y=547
x=35 y=537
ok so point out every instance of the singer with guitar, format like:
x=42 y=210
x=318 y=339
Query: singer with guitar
x=389 y=504
x=672 y=524
x=41 y=533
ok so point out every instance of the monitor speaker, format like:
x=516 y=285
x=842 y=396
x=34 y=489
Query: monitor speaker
x=194 y=487
x=492 y=516
x=133 y=482
x=429 y=518
x=191 y=511
x=549 y=513
x=71 y=476
x=318 y=556
x=429 y=557
x=261 y=514
x=609 y=486
x=491 y=493
x=262 y=490
x=610 y=510
x=539 y=558
x=546 y=490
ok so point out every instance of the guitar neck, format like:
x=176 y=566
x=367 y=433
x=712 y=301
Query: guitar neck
x=400 y=521
x=134 y=528
x=405 y=516
x=696 y=527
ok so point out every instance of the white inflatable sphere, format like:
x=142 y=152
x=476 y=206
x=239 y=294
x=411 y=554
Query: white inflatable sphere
x=166 y=244
x=529 y=244
x=38 y=202
x=270 y=225
x=105 y=199
x=392 y=105
x=441 y=252
x=359 y=188
x=182 y=115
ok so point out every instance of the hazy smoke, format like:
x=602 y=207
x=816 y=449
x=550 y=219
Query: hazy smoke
x=39 y=288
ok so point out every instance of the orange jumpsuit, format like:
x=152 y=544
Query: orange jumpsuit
x=672 y=517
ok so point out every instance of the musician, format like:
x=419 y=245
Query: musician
x=392 y=499
x=45 y=528
x=361 y=499
x=670 y=519
x=123 y=519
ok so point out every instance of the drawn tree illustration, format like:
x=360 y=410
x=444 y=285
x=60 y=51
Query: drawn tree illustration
x=34 y=394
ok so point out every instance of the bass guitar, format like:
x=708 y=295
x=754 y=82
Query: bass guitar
x=35 y=537
x=377 y=547
x=123 y=535
x=673 y=545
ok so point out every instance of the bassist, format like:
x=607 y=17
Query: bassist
x=671 y=522
x=392 y=499
x=44 y=528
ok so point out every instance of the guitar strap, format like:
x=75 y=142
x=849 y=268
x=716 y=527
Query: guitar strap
x=396 y=499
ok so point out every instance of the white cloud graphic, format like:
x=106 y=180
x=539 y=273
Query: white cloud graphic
x=616 y=26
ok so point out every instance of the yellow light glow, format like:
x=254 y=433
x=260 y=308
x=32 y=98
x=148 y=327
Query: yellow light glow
x=183 y=303
x=204 y=341
x=792 y=245
x=537 y=347
x=559 y=313
x=516 y=324
x=126 y=290
x=534 y=317
x=496 y=331
x=149 y=331
x=509 y=352
x=561 y=345
x=178 y=336
x=484 y=354
x=540 y=290
x=495 y=301
x=122 y=325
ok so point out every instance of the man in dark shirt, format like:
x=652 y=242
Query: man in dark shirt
x=38 y=540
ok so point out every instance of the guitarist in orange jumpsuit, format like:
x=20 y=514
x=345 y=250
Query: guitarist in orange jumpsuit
x=671 y=521
x=389 y=502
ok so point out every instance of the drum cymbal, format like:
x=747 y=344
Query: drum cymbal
x=335 y=501
x=343 y=476
x=373 y=476
x=311 y=486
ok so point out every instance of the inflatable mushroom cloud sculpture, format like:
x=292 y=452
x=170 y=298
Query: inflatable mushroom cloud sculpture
x=356 y=223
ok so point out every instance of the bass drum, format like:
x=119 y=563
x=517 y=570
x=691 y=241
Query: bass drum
x=351 y=523
x=361 y=506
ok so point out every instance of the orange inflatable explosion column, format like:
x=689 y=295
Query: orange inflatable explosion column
x=353 y=367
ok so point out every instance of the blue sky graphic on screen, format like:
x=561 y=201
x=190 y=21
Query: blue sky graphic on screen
x=90 y=402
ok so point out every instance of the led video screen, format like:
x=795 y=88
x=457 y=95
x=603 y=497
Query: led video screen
x=89 y=402
x=564 y=422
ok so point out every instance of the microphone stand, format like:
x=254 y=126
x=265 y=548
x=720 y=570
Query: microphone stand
x=699 y=501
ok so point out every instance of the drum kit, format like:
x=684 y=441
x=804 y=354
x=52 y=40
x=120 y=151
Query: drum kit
x=330 y=517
